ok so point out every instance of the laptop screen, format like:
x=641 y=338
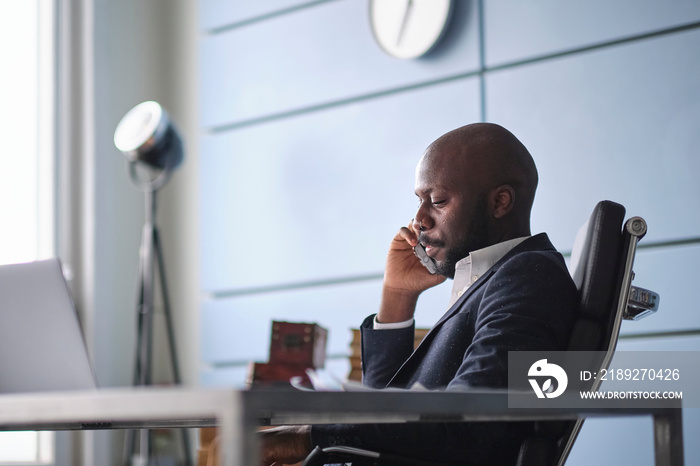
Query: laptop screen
x=41 y=343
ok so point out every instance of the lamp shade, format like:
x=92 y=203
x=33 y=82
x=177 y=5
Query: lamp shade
x=147 y=135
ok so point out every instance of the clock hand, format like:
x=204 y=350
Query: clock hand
x=404 y=21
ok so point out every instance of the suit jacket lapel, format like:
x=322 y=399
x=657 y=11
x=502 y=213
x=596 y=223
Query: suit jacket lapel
x=457 y=304
x=538 y=242
x=425 y=343
x=534 y=243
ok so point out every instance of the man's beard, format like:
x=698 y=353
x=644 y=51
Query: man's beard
x=476 y=238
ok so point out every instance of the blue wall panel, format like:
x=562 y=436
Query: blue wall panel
x=621 y=123
x=224 y=377
x=339 y=308
x=319 y=195
x=313 y=56
x=521 y=30
x=314 y=172
x=222 y=13
x=671 y=272
x=612 y=442
x=342 y=307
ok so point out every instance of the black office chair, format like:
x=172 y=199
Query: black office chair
x=601 y=266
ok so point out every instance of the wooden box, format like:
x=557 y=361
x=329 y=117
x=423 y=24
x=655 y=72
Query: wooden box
x=298 y=344
x=272 y=374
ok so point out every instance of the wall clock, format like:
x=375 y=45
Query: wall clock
x=409 y=28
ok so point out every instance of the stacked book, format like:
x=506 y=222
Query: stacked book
x=356 y=351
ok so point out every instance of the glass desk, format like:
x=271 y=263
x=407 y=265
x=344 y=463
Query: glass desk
x=239 y=413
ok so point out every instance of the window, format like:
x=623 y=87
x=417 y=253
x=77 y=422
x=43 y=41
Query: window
x=26 y=164
x=26 y=448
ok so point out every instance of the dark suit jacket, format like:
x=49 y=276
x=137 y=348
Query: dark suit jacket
x=525 y=302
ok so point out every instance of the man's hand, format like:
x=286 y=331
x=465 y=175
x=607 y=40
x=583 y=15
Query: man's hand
x=285 y=445
x=405 y=278
x=404 y=271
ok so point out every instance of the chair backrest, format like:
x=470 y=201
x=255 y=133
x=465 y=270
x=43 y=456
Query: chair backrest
x=597 y=267
x=601 y=267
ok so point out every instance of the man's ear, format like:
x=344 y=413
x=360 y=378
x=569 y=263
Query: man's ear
x=502 y=200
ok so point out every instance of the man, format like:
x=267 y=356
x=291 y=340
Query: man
x=511 y=292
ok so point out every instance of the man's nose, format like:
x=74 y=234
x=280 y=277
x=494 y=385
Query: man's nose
x=417 y=224
x=421 y=222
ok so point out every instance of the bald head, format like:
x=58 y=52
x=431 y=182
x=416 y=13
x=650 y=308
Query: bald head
x=476 y=186
x=485 y=156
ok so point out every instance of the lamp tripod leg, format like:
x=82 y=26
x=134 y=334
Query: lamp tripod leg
x=144 y=343
x=171 y=336
x=151 y=257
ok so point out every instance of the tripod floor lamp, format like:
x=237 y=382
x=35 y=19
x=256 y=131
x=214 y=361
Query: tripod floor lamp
x=153 y=148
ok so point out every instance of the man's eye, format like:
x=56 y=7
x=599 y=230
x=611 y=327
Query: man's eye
x=438 y=201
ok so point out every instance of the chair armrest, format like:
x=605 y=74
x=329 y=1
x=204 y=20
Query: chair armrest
x=642 y=302
x=342 y=454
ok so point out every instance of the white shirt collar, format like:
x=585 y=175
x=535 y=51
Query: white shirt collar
x=469 y=269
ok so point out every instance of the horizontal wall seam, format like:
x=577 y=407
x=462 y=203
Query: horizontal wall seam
x=668 y=243
x=597 y=46
x=642 y=245
x=293 y=286
x=233 y=293
x=481 y=73
x=243 y=363
x=338 y=356
x=259 y=19
x=336 y=103
x=666 y=334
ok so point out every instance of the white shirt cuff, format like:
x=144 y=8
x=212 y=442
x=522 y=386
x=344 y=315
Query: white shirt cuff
x=392 y=325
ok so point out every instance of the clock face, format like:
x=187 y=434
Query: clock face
x=409 y=28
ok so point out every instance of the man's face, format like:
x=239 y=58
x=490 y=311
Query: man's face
x=453 y=218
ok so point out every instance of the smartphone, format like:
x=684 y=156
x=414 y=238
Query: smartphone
x=426 y=260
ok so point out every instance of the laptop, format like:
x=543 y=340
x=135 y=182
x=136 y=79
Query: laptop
x=42 y=348
x=41 y=342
